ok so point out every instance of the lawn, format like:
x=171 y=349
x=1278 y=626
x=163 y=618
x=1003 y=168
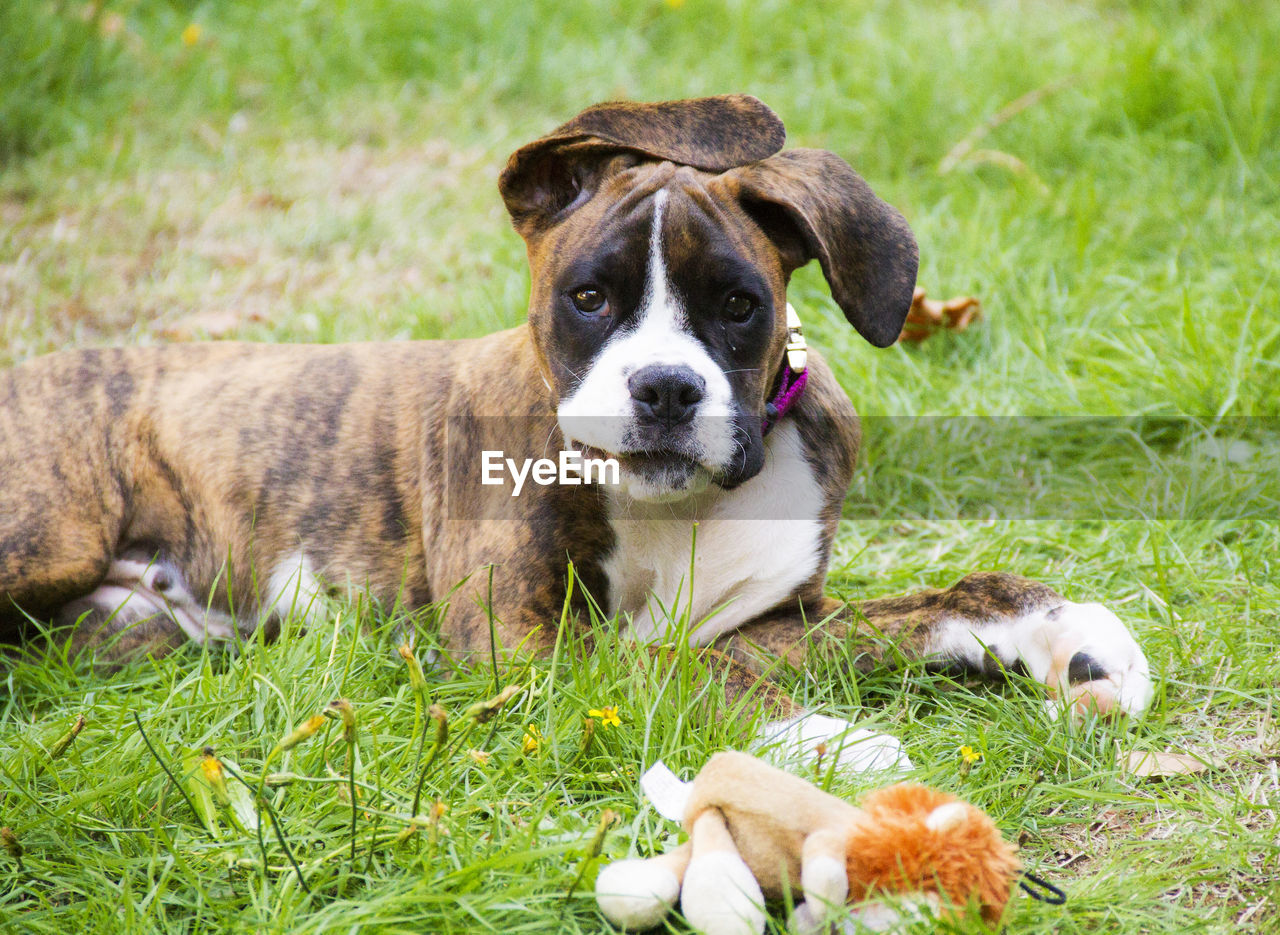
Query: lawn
x=1104 y=176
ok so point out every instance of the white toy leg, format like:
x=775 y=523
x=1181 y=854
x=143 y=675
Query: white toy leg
x=638 y=894
x=824 y=873
x=720 y=895
x=824 y=877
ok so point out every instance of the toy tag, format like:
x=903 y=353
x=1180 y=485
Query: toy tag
x=667 y=791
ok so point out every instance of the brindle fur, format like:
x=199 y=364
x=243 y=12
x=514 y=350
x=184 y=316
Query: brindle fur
x=227 y=459
x=151 y=447
x=864 y=629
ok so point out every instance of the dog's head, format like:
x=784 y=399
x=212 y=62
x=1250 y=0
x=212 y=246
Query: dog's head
x=661 y=238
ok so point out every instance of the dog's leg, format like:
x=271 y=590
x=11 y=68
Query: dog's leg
x=788 y=731
x=63 y=491
x=129 y=627
x=986 y=624
x=53 y=547
x=143 y=605
x=743 y=685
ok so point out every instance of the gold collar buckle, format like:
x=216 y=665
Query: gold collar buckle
x=797 y=350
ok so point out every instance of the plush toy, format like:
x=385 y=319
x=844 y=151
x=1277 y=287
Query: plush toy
x=756 y=833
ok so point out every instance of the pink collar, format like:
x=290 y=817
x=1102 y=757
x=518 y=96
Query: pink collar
x=795 y=373
x=789 y=389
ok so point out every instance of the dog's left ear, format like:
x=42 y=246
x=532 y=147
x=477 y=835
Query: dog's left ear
x=812 y=204
x=546 y=179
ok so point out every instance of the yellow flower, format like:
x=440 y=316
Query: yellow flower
x=416 y=680
x=11 y=843
x=482 y=711
x=479 y=757
x=191 y=35
x=675 y=4
x=303 y=731
x=532 y=737
x=608 y=715
x=211 y=768
x=969 y=754
x=342 y=710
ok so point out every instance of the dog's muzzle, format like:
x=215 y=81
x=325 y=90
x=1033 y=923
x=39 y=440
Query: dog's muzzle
x=664 y=396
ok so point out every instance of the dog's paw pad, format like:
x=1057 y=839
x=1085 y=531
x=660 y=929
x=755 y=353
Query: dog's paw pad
x=1095 y=664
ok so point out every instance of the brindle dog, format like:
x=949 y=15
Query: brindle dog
x=153 y=494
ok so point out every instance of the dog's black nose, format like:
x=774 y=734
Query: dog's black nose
x=666 y=394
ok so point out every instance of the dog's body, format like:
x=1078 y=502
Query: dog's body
x=661 y=238
x=339 y=480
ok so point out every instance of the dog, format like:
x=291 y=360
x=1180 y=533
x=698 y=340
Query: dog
x=154 y=495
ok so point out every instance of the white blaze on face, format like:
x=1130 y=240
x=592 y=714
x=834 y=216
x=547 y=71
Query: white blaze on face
x=601 y=413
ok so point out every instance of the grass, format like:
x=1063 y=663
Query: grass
x=326 y=172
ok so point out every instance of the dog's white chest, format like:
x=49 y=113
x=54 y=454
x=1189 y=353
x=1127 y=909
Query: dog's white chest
x=755 y=545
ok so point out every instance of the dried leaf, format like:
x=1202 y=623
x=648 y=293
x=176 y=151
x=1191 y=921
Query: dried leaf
x=929 y=315
x=213 y=324
x=1154 y=764
x=271 y=200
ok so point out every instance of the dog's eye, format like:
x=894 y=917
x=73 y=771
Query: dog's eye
x=739 y=306
x=588 y=299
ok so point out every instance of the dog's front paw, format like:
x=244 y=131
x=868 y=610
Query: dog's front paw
x=1083 y=654
x=1095 y=664
x=812 y=738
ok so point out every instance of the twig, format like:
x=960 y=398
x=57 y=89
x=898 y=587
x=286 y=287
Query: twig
x=493 y=635
x=607 y=817
x=347 y=713
x=173 y=779
x=442 y=735
x=275 y=825
x=1006 y=113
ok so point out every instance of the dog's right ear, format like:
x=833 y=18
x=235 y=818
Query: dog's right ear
x=812 y=204
x=548 y=178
